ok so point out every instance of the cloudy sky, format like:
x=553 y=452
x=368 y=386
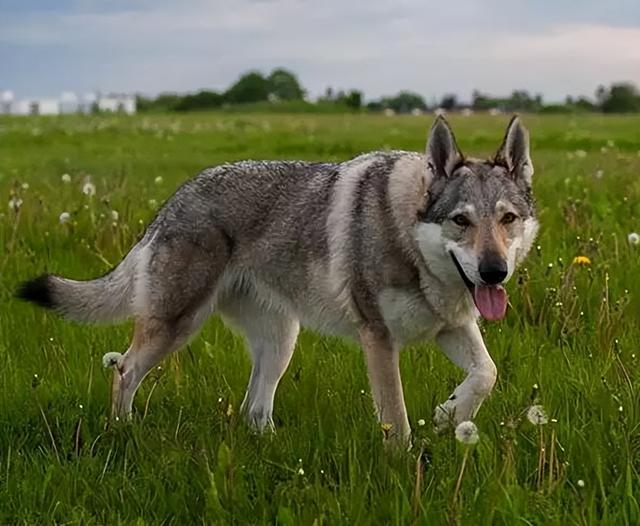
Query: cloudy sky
x=554 y=47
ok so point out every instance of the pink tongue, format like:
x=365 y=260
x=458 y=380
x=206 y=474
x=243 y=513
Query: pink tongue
x=491 y=301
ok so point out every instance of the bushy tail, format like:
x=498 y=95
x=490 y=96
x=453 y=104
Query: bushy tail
x=105 y=299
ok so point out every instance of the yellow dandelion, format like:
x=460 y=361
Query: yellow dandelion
x=386 y=430
x=581 y=260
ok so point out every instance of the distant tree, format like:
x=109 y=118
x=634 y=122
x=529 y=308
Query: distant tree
x=449 y=102
x=250 y=87
x=284 y=85
x=404 y=102
x=482 y=102
x=621 y=98
x=353 y=99
x=200 y=101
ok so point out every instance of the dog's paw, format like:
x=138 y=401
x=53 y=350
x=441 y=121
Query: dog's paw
x=111 y=359
x=444 y=417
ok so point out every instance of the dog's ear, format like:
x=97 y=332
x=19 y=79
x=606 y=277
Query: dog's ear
x=513 y=154
x=442 y=151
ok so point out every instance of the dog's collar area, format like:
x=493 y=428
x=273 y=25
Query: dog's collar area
x=464 y=277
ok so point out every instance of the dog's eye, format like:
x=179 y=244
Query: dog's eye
x=508 y=218
x=461 y=220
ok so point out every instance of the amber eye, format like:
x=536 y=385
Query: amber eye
x=508 y=218
x=461 y=220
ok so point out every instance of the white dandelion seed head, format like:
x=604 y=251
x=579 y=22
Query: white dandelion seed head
x=467 y=433
x=25 y=186
x=580 y=483
x=421 y=422
x=64 y=217
x=158 y=180
x=634 y=238
x=66 y=178
x=114 y=215
x=537 y=415
x=81 y=406
x=89 y=189
x=15 y=203
x=620 y=409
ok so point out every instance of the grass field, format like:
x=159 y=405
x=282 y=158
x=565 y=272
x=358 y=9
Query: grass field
x=570 y=342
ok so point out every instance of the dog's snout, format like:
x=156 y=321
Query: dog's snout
x=493 y=270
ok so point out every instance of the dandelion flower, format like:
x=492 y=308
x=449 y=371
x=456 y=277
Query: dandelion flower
x=633 y=238
x=114 y=215
x=421 y=422
x=66 y=178
x=537 y=415
x=158 y=180
x=64 y=217
x=89 y=189
x=581 y=260
x=15 y=203
x=467 y=433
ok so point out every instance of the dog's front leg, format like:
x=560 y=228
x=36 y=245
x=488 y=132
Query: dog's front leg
x=383 y=365
x=464 y=347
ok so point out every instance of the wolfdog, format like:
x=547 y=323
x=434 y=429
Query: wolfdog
x=388 y=248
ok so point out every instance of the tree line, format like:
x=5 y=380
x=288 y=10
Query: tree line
x=281 y=90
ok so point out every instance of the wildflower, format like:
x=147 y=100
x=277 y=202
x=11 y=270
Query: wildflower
x=467 y=433
x=153 y=203
x=537 y=415
x=581 y=260
x=15 y=203
x=66 y=178
x=599 y=174
x=89 y=188
x=633 y=238
x=114 y=215
x=581 y=154
x=580 y=483
x=386 y=430
x=25 y=186
x=300 y=472
x=421 y=422
x=158 y=180
x=64 y=217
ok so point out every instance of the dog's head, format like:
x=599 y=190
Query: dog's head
x=478 y=222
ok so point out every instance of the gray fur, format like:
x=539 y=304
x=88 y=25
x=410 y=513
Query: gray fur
x=359 y=248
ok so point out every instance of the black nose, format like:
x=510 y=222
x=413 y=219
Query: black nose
x=493 y=270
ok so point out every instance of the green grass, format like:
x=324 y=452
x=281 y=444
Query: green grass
x=571 y=342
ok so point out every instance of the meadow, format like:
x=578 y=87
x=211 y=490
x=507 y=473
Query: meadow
x=570 y=343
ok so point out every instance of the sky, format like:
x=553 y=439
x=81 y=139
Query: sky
x=378 y=46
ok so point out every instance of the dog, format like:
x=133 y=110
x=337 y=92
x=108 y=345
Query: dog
x=388 y=248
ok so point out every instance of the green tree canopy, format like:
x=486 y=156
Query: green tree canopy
x=284 y=85
x=250 y=87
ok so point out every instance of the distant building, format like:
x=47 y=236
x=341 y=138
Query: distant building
x=117 y=103
x=6 y=101
x=68 y=103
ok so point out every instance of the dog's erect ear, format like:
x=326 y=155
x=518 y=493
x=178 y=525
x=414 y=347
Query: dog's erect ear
x=514 y=152
x=442 y=151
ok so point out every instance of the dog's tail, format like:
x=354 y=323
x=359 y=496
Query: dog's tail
x=105 y=299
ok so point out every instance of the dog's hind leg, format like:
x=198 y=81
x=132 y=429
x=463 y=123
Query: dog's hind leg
x=271 y=336
x=174 y=296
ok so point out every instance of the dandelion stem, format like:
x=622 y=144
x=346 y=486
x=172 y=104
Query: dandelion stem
x=459 y=482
